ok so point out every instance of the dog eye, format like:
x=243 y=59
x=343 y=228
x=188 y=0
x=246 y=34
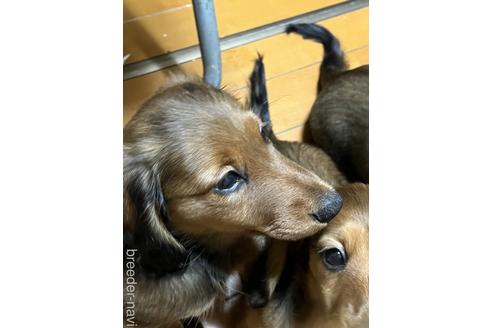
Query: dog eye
x=229 y=182
x=334 y=259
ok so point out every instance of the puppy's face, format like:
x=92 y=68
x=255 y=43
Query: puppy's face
x=217 y=172
x=235 y=182
x=339 y=262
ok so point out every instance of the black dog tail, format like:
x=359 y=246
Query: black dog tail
x=259 y=97
x=333 y=57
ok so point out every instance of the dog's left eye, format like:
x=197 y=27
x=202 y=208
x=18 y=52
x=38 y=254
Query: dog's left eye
x=334 y=259
x=229 y=182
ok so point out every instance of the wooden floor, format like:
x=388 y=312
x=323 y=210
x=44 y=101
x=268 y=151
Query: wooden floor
x=292 y=64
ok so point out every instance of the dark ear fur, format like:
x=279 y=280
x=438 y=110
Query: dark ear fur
x=258 y=96
x=158 y=252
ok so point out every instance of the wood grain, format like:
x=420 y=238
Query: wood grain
x=284 y=55
x=139 y=9
x=155 y=27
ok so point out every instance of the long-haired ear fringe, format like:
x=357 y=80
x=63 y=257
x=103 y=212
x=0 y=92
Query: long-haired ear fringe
x=142 y=185
x=159 y=253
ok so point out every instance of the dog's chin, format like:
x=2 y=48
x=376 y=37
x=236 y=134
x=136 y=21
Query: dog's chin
x=293 y=232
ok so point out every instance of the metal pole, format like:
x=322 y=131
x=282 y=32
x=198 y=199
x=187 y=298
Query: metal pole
x=208 y=36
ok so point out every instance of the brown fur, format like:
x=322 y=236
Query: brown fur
x=307 y=294
x=313 y=159
x=309 y=157
x=301 y=290
x=341 y=299
x=188 y=236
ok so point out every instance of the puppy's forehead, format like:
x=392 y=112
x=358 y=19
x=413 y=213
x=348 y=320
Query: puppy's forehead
x=346 y=234
x=209 y=143
x=227 y=140
x=194 y=131
x=204 y=111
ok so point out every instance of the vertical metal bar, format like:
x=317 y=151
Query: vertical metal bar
x=206 y=26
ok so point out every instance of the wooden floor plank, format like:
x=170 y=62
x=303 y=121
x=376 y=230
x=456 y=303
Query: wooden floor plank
x=171 y=30
x=283 y=54
x=139 y=9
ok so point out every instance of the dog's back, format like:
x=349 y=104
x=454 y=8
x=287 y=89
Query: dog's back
x=313 y=159
x=339 y=122
x=339 y=119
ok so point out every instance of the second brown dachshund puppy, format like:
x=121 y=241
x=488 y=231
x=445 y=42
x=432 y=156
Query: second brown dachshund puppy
x=323 y=280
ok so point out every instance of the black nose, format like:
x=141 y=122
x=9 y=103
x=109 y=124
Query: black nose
x=331 y=204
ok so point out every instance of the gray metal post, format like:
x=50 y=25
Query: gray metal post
x=206 y=26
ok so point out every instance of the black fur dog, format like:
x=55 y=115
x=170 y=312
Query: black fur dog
x=339 y=119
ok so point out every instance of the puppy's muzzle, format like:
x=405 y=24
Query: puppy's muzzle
x=330 y=205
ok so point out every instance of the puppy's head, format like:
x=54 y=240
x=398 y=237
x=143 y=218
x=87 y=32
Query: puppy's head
x=339 y=261
x=199 y=163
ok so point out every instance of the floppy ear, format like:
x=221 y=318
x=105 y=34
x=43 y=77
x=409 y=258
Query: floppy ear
x=258 y=96
x=157 y=249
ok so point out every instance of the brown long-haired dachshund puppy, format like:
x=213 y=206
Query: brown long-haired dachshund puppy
x=202 y=184
x=339 y=119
